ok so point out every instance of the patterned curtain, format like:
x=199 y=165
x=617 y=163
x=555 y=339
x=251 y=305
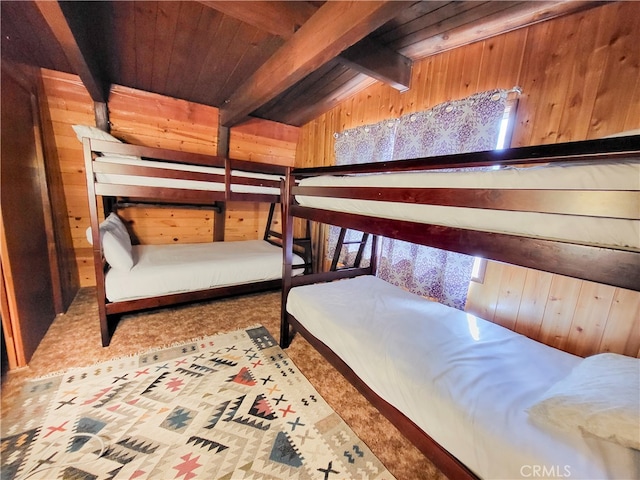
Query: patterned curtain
x=470 y=124
x=370 y=143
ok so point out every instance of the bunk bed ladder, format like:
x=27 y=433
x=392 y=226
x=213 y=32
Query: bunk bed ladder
x=341 y=242
x=303 y=244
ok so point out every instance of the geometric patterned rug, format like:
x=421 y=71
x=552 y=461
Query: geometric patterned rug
x=230 y=406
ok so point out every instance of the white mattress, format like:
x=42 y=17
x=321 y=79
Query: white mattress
x=571 y=228
x=184 y=184
x=465 y=381
x=176 y=268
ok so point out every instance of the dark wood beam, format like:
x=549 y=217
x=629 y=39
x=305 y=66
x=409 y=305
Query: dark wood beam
x=220 y=214
x=77 y=53
x=333 y=28
x=377 y=61
x=101 y=113
x=284 y=18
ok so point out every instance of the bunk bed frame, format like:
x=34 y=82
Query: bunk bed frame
x=613 y=266
x=113 y=192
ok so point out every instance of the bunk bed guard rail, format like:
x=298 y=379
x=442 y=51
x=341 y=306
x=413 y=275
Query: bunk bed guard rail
x=313 y=193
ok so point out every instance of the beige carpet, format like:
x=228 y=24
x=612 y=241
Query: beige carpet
x=74 y=340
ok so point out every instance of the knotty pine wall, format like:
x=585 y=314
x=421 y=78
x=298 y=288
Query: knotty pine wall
x=154 y=120
x=580 y=77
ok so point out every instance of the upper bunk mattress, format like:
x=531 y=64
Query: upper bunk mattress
x=601 y=231
x=148 y=181
x=177 y=268
x=464 y=381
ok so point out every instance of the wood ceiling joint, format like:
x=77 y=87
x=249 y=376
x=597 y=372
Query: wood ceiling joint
x=338 y=25
x=77 y=53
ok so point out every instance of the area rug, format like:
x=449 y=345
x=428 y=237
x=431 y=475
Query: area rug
x=230 y=406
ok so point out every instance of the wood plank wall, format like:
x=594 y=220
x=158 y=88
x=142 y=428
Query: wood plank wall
x=259 y=141
x=154 y=120
x=580 y=77
x=69 y=103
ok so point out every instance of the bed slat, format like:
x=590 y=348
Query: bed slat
x=159 y=193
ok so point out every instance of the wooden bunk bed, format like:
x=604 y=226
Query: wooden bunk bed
x=121 y=173
x=317 y=307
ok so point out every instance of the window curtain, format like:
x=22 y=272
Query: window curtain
x=369 y=143
x=466 y=125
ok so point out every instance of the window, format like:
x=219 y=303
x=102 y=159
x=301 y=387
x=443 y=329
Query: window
x=478 y=269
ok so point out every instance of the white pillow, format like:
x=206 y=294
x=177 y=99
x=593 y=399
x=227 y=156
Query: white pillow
x=116 y=243
x=95 y=133
x=600 y=396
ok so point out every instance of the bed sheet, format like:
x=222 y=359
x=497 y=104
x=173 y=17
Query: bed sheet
x=465 y=381
x=184 y=184
x=177 y=268
x=623 y=175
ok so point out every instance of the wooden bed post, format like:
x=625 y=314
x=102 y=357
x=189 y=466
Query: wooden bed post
x=220 y=215
x=101 y=113
x=287 y=255
x=105 y=331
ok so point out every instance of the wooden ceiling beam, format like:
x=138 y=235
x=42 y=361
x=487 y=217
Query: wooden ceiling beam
x=280 y=18
x=332 y=29
x=284 y=18
x=379 y=62
x=77 y=52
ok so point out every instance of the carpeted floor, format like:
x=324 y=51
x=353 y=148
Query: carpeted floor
x=74 y=340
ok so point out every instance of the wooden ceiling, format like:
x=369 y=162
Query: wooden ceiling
x=286 y=61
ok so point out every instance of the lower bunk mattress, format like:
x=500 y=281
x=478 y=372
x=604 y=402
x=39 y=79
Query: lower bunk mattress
x=466 y=382
x=177 y=268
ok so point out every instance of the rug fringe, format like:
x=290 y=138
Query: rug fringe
x=140 y=352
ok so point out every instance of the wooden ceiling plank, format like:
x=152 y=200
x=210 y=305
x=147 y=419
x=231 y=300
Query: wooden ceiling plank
x=518 y=16
x=333 y=28
x=252 y=55
x=145 y=15
x=211 y=75
x=280 y=18
x=201 y=39
x=336 y=84
x=448 y=18
x=306 y=113
x=182 y=52
x=165 y=31
x=21 y=42
x=408 y=16
x=421 y=16
x=15 y=44
x=124 y=41
x=303 y=90
x=80 y=60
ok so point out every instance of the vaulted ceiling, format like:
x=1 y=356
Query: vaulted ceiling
x=286 y=61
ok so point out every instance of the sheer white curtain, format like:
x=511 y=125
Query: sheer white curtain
x=466 y=125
